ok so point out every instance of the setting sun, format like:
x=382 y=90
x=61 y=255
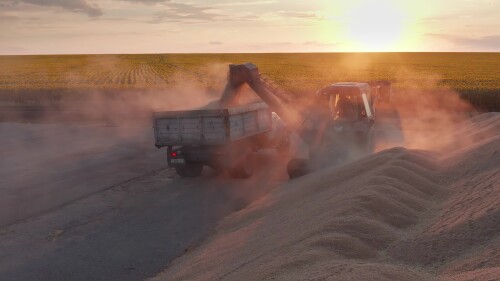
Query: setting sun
x=371 y=26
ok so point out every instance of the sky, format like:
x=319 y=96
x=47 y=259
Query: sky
x=247 y=26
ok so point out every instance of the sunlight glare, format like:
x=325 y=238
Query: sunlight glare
x=372 y=26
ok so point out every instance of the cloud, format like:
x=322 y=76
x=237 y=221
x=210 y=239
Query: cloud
x=474 y=13
x=176 y=12
x=482 y=43
x=191 y=13
x=147 y=1
x=320 y=44
x=288 y=46
x=13 y=49
x=246 y=3
x=299 y=14
x=6 y=18
x=215 y=43
x=77 y=6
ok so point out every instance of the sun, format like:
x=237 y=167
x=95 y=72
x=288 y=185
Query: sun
x=374 y=26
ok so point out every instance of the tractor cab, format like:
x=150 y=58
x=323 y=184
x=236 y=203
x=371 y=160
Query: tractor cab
x=349 y=101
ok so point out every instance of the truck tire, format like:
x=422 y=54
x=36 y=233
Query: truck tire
x=189 y=170
x=297 y=168
x=243 y=168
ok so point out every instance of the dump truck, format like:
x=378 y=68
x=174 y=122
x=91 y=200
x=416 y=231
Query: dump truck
x=223 y=138
x=343 y=126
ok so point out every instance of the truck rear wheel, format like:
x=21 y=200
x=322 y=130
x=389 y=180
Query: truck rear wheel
x=189 y=170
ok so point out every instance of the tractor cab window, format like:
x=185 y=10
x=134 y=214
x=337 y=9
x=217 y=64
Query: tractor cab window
x=347 y=106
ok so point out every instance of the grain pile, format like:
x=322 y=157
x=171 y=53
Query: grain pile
x=400 y=214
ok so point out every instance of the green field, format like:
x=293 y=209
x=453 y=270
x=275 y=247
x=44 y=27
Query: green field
x=476 y=76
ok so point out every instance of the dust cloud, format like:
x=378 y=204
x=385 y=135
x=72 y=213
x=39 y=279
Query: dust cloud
x=117 y=123
x=427 y=108
x=83 y=143
x=421 y=107
x=185 y=90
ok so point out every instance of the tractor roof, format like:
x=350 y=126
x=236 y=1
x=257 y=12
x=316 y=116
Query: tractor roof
x=350 y=84
x=343 y=88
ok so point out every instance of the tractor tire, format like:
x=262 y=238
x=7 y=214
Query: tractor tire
x=189 y=170
x=297 y=168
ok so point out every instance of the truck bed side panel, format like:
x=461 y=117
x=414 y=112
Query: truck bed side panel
x=211 y=126
x=214 y=129
x=194 y=130
x=245 y=124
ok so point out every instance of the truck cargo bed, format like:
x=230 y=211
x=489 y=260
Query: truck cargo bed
x=211 y=126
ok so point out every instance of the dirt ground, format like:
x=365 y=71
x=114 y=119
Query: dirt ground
x=46 y=165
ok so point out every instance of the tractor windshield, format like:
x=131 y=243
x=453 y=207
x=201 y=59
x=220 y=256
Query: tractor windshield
x=347 y=104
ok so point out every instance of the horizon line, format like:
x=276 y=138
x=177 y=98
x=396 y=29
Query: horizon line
x=244 y=53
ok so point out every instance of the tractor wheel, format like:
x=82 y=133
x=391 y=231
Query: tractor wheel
x=297 y=168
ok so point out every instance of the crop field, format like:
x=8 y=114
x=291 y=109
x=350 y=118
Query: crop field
x=32 y=79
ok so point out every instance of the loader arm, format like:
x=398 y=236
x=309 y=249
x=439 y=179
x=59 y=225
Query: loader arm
x=239 y=74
